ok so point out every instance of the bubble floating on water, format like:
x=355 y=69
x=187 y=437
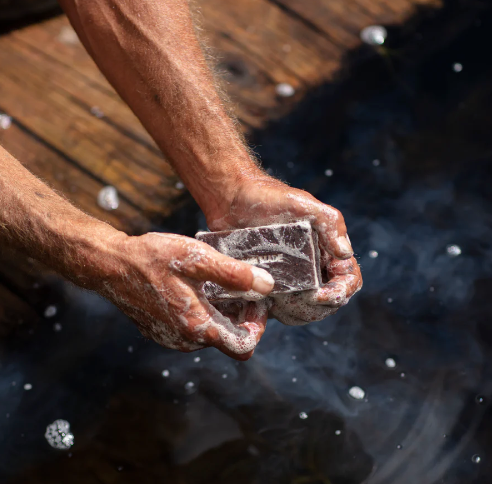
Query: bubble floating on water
x=476 y=459
x=357 y=393
x=328 y=172
x=197 y=359
x=284 y=89
x=5 y=121
x=294 y=380
x=338 y=432
x=325 y=343
x=480 y=399
x=403 y=374
x=190 y=387
x=68 y=36
x=97 y=112
x=390 y=362
x=457 y=67
x=374 y=35
x=108 y=198
x=376 y=162
x=57 y=327
x=431 y=289
x=390 y=300
x=130 y=349
x=165 y=373
x=224 y=376
x=373 y=254
x=179 y=185
x=453 y=250
x=58 y=435
x=27 y=387
x=294 y=357
x=303 y=415
x=50 y=311
x=399 y=446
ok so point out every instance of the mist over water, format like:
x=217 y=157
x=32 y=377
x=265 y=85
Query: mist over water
x=288 y=415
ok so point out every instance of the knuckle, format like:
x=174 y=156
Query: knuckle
x=236 y=275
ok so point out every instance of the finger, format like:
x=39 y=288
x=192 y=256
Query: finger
x=253 y=318
x=256 y=314
x=332 y=231
x=206 y=264
x=297 y=309
x=211 y=328
x=345 y=281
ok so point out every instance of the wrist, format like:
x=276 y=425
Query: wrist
x=89 y=255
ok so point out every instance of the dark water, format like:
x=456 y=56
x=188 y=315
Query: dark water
x=427 y=420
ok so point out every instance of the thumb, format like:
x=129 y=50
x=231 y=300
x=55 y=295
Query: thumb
x=332 y=230
x=232 y=274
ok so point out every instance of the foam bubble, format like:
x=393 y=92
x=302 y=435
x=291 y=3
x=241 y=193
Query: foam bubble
x=5 y=121
x=284 y=89
x=50 y=311
x=357 y=393
x=390 y=362
x=374 y=35
x=58 y=435
x=108 y=198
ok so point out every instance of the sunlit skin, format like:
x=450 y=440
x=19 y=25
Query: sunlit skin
x=150 y=53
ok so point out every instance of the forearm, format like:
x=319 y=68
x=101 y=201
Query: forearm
x=43 y=225
x=149 y=52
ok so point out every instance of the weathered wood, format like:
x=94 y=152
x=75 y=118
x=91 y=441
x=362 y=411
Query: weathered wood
x=66 y=178
x=42 y=98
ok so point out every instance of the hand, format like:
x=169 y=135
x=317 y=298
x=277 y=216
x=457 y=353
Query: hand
x=157 y=282
x=262 y=200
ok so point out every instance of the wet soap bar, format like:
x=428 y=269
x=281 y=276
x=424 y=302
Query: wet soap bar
x=289 y=252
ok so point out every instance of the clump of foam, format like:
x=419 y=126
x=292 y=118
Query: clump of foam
x=58 y=435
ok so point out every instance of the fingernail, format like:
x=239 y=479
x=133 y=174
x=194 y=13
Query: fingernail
x=262 y=282
x=345 y=247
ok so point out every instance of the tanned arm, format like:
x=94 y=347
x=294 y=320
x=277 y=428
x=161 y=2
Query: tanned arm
x=150 y=53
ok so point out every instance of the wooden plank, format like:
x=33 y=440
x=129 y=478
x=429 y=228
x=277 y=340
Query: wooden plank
x=342 y=21
x=264 y=29
x=44 y=103
x=70 y=64
x=69 y=180
x=250 y=80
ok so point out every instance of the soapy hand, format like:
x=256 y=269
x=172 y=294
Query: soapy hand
x=157 y=282
x=262 y=200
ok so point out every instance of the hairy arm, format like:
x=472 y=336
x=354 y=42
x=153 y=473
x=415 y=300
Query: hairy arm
x=150 y=53
x=40 y=223
x=155 y=278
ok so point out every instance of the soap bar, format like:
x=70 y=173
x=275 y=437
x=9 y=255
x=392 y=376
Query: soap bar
x=289 y=252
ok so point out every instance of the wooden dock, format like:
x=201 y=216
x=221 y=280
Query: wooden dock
x=71 y=129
